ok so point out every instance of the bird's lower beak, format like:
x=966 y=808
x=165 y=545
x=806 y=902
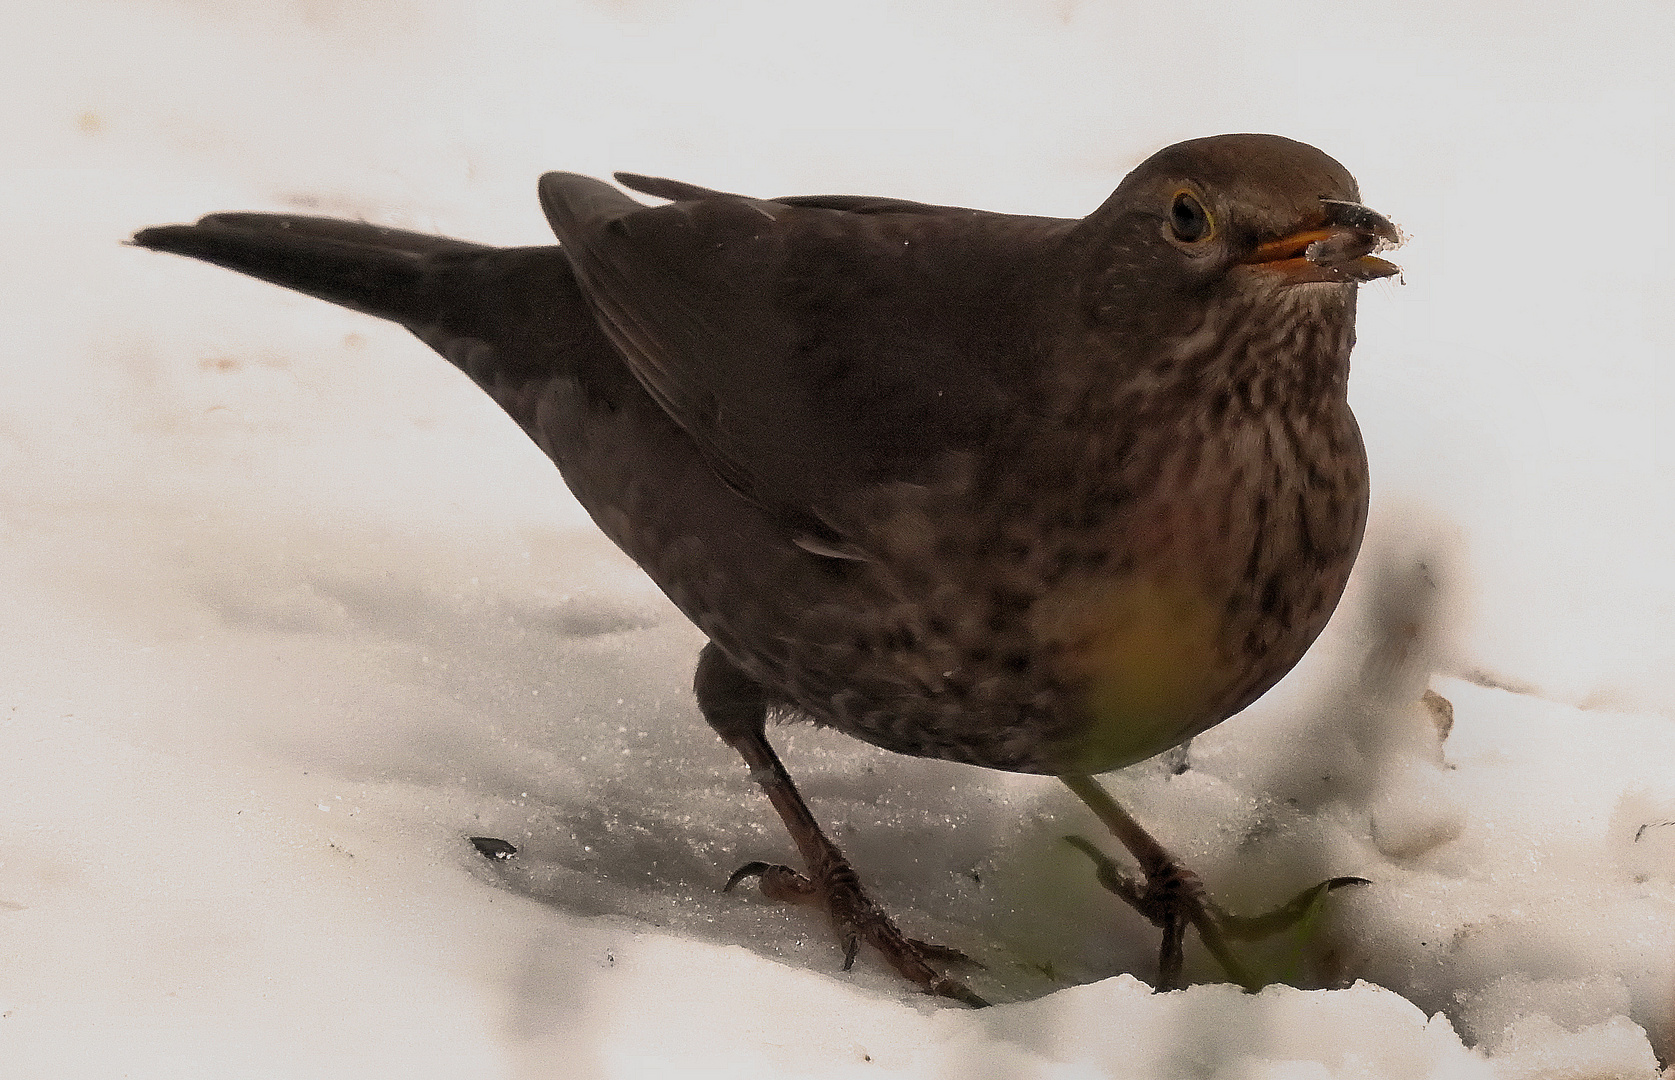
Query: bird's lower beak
x=1338 y=249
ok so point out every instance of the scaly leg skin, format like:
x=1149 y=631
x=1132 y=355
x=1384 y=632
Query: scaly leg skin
x=1172 y=897
x=736 y=708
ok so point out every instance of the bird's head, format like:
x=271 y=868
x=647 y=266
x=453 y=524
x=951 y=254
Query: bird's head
x=1240 y=213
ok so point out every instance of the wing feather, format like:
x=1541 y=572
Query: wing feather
x=812 y=345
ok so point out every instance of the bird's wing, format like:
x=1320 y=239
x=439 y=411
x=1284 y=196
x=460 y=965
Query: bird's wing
x=679 y=190
x=809 y=346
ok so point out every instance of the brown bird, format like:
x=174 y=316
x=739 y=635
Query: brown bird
x=1042 y=495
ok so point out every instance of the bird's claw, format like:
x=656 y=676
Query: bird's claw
x=1284 y=917
x=857 y=919
x=943 y=954
x=1172 y=897
x=777 y=882
x=748 y=870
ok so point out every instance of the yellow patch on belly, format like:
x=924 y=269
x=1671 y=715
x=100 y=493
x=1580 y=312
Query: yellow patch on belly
x=1144 y=656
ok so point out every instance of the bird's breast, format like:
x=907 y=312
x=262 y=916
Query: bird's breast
x=1232 y=558
x=1085 y=609
x=1140 y=660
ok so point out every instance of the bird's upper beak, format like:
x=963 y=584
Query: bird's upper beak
x=1338 y=246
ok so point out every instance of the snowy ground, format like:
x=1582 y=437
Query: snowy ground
x=289 y=611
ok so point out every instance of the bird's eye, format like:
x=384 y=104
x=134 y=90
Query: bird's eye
x=1188 y=219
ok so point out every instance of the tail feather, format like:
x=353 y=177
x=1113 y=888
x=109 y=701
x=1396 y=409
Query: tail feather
x=367 y=268
x=513 y=319
x=329 y=228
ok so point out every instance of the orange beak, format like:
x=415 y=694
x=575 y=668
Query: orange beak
x=1338 y=248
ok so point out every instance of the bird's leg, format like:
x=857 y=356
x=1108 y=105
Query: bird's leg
x=736 y=708
x=1172 y=896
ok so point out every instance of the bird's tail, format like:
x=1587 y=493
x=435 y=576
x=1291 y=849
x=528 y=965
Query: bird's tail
x=379 y=271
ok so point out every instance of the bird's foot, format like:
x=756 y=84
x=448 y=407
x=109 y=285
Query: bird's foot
x=857 y=919
x=1172 y=898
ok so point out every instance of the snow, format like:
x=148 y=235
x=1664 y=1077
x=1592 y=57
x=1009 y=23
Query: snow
x=289 y=611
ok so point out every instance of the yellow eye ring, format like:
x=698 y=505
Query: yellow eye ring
x=1189 y=221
